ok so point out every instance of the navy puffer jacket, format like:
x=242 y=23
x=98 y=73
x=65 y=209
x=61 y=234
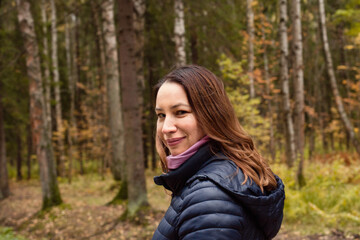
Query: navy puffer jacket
x=209 y=202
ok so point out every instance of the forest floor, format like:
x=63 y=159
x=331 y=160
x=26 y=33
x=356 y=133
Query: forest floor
x=86 y=215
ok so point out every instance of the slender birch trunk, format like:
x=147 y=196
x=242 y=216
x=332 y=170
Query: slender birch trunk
x=39 y=125
x=269 y=97
x=132 y=120
x=299 y=114
x=139 y=24
x=47 y=80
x=250 y=31
x=284 y=77
x=72 y=90
x=4 y=181
x=330 y=70
x=72 y=125
x=179 y=33
x=55 y=68
x=116 y=124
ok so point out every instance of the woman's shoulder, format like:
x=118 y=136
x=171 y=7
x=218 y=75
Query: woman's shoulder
x=265 y=207
x=220 y=170
x=224 y=173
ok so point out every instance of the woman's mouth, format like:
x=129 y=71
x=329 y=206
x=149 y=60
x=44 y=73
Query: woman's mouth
x=174 y=141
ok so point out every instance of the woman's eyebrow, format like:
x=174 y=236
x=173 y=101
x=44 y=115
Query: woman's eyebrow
x=174 y=106
x=179 y=105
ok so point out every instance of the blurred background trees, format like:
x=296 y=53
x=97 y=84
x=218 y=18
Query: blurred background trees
x=99 y=60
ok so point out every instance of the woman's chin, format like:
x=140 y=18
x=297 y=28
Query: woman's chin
x=175 y=152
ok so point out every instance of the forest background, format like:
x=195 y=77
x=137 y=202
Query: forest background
x=77 y=151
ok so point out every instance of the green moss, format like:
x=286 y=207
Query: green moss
x=54 y=199
x=121 y=196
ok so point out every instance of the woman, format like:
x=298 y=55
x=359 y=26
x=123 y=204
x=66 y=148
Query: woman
x=222 y=188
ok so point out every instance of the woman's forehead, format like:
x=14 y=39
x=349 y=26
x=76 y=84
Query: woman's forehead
x=171 y=94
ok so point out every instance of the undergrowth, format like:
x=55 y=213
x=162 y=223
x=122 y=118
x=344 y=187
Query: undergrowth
x=329 y=200
x=8 y=234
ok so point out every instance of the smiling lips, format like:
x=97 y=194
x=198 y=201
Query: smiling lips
x=174 y=141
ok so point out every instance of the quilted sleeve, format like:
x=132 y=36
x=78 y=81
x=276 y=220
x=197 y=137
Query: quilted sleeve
x=210 y=213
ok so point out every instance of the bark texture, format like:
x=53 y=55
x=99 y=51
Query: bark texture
x=284 y=77
x=139 y=25
x=179 y=33
x=250 y=31
x=39 y=126
x=55 y=71
x=71 y=85
x=268 y=94
x=299 y=115
x=132 y=119
x=113 y=91
x=47 y=79
x=330 y=70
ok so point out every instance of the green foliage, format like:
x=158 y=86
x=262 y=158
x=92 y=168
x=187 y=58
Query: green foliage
x=330 y=198
x=34 y=170
x=8 y=234
x=349 y=15
x=247 y=110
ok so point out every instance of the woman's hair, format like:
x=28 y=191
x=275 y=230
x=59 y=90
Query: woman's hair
x=216 y=115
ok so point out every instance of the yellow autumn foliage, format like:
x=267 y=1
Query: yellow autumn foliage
x=247 y=110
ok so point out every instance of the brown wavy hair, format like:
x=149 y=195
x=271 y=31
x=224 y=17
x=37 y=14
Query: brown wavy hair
x=216 y=115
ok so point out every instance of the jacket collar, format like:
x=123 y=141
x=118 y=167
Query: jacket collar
x=176 y=179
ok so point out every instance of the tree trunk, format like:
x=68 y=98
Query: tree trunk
x=299 y=115
x=4 y=181
x=194 y=45
x=344 y=76
x=139 y=24
x=29 y=152
x=47 y=80
x=284 y=77
x=132 y=120
x=269 y=97
x=250 y=31
x=312 y=138
x=72 y=88
x=18 y=157
x=116 y=124
x=58 y=111
x=72 y=126
x=151 y=116
x=39 y=124
x=179 y=33
x=330 y=69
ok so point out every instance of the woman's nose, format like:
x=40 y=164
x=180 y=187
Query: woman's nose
x=169 y=126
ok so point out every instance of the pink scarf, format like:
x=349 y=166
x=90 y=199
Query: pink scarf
x=174 y=162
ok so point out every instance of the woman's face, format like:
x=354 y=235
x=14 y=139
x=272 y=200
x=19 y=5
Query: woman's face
x=177 y=126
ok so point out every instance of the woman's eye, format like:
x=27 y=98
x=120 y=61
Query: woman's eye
x=181 y=112
x=161 y=115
